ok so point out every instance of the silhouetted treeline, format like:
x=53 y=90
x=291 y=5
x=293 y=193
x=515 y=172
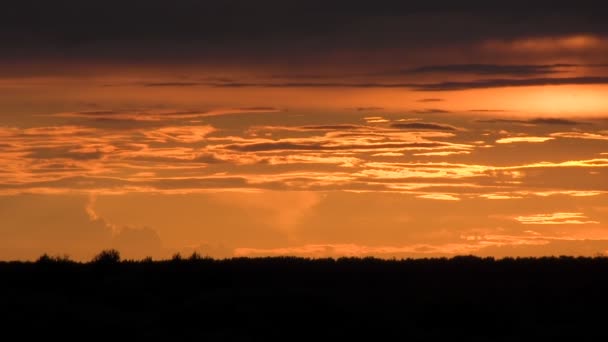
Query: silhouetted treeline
x=293 y=299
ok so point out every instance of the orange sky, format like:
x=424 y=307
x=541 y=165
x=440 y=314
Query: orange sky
x=361 y=177
x=479 y=144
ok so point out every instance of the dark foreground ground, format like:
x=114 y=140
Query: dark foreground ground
x=291 y=299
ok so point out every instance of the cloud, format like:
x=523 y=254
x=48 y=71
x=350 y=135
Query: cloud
x=432 y=111
x=67 y=225
x=499 y=196
x=62 y=153
x=441 y=154
x=172 y=84
x=579 y=135
x=179 y=157
x=494 y=69
x=501 y=83
x=387 y=154
x=326 y=146
x=438 y=86
x=284 y=211
x=432 y=99
x=194 y=32
x=328 y=127
x=523 y=139
x=305 y=85
x=537 y=121
x=575 y=41
x=422 y=125
x=440 y=197
x=529 y=244
x=355 y=250
x=490 y=111
x=554 y=121
x=555 y=219
x=467 y=244
x=183 y=134
x=375 y=119
x=162 y=115
x=368 y=109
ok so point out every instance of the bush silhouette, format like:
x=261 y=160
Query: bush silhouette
x=47 y=259
x=108 y=256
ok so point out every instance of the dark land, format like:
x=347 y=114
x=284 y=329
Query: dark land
x=295 y=299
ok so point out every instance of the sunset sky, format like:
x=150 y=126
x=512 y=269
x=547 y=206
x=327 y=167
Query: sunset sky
x=256 y=128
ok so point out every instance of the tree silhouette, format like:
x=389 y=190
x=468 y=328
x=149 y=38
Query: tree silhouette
x=106 y=257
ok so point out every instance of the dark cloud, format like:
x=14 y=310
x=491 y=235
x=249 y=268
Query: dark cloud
x=505 y=121
x=432 y=111
x=500 y=83
x=63 y=153
x=555 y=121
x=430 y=100
x=537 y=121
x=268 y=31
x=330 y=127
x=173 y=84
x=85 y=183
x=368 y=109
x=488 y=110
x=154 y=117
x=275 y=146
x=494 y=69
x=439 y=86
x=204 y=158
x=259 y=109
x=310 y=85
x=422 y=125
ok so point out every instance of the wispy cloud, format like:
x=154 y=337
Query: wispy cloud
x=502 y=83
x=423 y=125
x=580 y=135
x=431 y=99
x=440 y=197
x=555 y=218
x=537 y=121
x=523 y=139
x=161 y=115
x=494 y=69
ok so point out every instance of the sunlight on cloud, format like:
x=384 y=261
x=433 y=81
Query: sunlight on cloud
x=375 y=119
x=547 y=44
x=580 y=135
x=523 y=139
x=442 y=154
x=555 y=218
x=441 y=197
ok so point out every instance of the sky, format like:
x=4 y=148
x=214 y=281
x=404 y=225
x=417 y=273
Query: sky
x=264 y=128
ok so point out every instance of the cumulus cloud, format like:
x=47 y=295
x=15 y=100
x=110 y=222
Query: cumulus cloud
x=68 y=225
